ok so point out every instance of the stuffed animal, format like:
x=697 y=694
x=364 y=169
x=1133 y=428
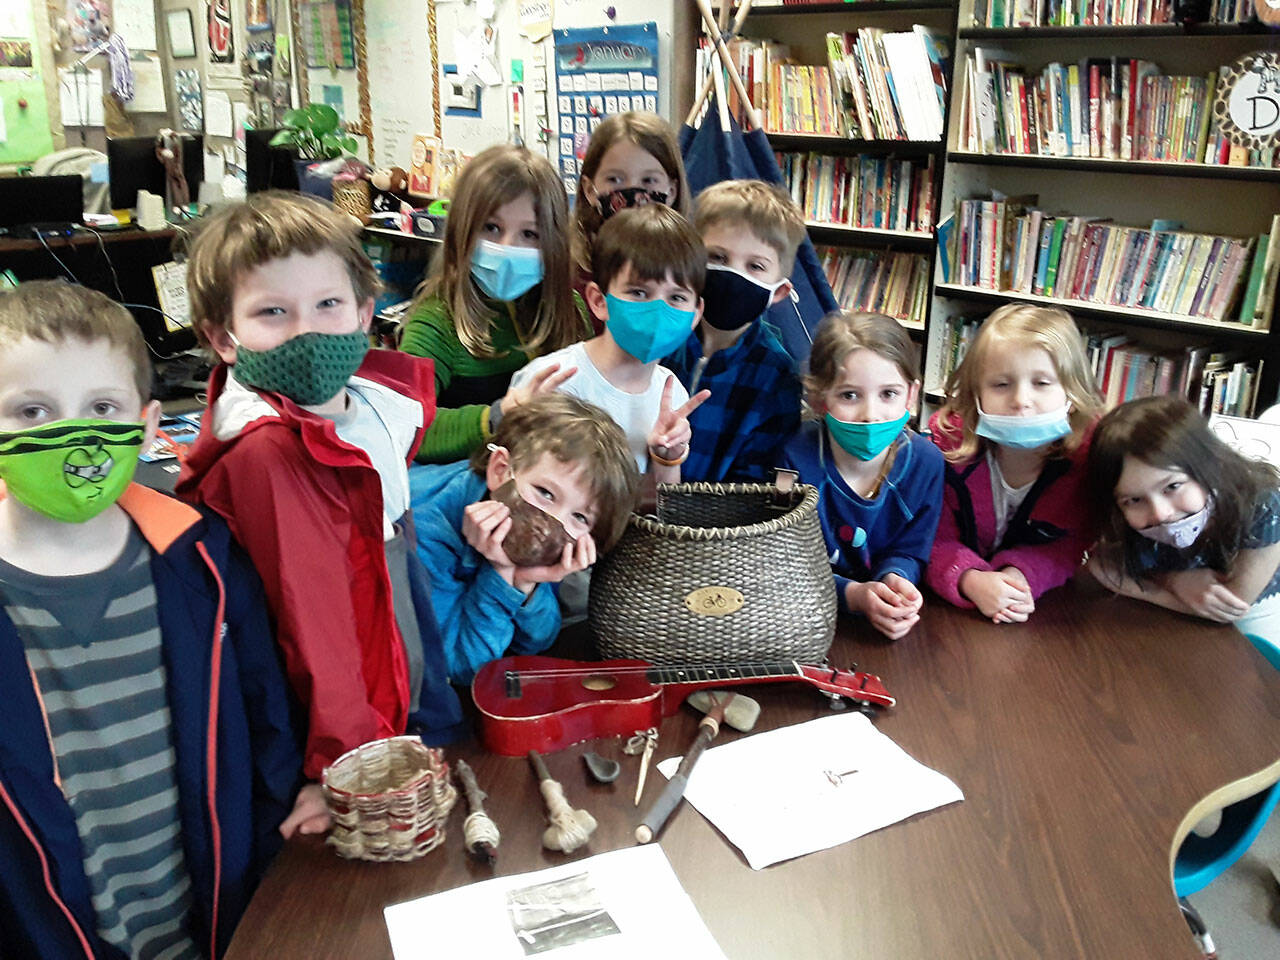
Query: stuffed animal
x=389 y=185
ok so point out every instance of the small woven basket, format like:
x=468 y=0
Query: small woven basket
x=725 y=572
x=352 y=196
x=389 y=800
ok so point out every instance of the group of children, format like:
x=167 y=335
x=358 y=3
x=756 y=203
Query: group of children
x=179 y=672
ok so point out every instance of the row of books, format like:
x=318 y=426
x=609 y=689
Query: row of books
x=1124 y=370
x=1095 y=13
x=1006 y=244
x=891 y=86
x=861 y=191
x=878 y=281
x=1116 y=108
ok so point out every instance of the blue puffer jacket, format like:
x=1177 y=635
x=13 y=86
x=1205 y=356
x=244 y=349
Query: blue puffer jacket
x=238 y=760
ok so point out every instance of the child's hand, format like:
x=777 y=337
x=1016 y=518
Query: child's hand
x=546 y=380
x=577 y=556
x=887 y=610
x=310 y=814
x=999 y=595
x=485 y=524
x=670 y=435
x=1205 y=594
x=908 y=594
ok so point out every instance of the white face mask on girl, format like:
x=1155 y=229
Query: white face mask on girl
x=1180 y=534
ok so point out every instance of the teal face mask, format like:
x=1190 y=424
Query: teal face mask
x=505 y=272
x=866 y=441
x=308 y=369
x=647 y=329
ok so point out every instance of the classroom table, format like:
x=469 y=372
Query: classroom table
x=1086 y=743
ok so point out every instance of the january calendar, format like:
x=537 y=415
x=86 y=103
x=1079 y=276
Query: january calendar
x=599 y=72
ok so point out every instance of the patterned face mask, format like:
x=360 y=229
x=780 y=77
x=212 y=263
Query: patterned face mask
x=610 y=203
x=71 y=470
x=1180 y=534
x=308 y=369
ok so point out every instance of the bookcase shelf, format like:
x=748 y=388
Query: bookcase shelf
x=1157 y=31
x=841 y=233
x=1128 y=315
x=854 y=6
x=1203 y=171
x=844 y=145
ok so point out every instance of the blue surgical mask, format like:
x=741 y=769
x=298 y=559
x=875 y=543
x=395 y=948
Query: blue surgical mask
x=1025 y=433
x=1180 y=534
x=504 y=272
x=647 y=329
x=865 y=440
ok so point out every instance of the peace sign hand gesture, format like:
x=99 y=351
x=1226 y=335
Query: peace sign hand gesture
x=669 y=438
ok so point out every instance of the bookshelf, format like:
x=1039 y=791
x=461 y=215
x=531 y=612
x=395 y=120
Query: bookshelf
x=885 y=211
x=1129 y=195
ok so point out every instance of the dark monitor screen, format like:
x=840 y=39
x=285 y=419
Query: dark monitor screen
x=26 y=200
x=132 y=165
x=267 y=167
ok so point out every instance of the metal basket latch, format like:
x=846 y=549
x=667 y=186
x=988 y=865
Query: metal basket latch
x=784 y=482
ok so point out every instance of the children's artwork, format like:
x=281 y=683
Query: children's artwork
x=1256 y=439
x=190 y=104
x=328 y=34
x=15 y=53
x=90 y=23
x=601 y=71
x=221 y=42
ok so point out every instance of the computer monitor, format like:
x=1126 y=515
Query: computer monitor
x=267 y=167
x=26 y=200
x=132 y=165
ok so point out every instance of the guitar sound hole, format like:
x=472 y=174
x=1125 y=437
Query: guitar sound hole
x=599 y=681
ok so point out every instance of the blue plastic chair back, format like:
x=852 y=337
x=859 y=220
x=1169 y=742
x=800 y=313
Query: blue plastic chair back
x=1269 y=650
x=712 y=155
x=1201 y=859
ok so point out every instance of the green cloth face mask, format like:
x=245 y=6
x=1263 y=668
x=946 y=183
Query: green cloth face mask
x=308 y=369
x=71 y=470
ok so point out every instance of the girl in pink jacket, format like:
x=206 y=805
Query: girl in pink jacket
x=1015 y=431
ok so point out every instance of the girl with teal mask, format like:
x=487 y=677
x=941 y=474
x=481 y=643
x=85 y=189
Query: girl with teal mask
x=499 y=294
x=880 y=483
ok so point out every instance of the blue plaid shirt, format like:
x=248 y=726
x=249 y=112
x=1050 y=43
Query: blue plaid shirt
x=754 y=406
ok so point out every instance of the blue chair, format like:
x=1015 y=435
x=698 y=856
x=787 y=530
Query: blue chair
x=1201 y=859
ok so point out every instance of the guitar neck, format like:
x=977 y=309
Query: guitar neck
x=690 y=677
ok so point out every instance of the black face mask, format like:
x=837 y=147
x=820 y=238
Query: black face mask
x=610 y=203
x=731 y=299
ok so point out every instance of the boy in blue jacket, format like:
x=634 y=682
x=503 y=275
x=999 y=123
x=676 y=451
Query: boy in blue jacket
x=553 y=488
x=147 y=760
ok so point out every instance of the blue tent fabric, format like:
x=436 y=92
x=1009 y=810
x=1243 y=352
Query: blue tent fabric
x=712 y=155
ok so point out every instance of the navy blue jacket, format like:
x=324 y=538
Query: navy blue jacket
x=899 y=524
x=236 y=751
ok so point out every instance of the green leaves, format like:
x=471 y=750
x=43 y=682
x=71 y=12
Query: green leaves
x=314 y=132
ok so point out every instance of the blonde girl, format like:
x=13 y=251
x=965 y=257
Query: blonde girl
x=1015 y=430
x=1187 y=522
x=879 y=482
x=632 y=159
x=498 y=295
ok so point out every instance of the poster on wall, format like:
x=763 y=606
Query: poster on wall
x=601 y=71
x=190 y=102
x=89 y=22
x=221 y=43
x=328 y=34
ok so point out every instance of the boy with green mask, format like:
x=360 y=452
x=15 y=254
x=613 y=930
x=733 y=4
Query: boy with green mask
x=135 y=658
x=648 y=266
x=304 y=450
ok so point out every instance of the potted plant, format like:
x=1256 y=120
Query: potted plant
x=315 y=133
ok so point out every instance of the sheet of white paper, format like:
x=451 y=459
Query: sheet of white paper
x=135 y=21
x=624 y=905
x=213 y=167
x=81 y=94
x=15 y=20
x=217 y=113
x=171 y=290
x=810 y=800
x=148 y=88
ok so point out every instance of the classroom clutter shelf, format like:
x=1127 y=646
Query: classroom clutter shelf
x=1161 y=168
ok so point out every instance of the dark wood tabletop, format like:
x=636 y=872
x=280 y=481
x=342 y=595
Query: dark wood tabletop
x=1082 y=741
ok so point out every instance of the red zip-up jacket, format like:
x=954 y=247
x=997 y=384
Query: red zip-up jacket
x=308 y=509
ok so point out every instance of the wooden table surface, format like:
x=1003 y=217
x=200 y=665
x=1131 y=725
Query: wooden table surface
x=1082 y=741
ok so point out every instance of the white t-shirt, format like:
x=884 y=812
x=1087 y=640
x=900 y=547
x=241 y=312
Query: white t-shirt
x=361 y=426
x=1005 y=499
x=634 y=412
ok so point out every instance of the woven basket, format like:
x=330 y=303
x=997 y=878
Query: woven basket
x=389 y=800
x=726 y=572
x=352 y=196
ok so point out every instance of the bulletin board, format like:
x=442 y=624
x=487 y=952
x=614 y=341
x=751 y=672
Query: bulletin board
x=24 y=133
x=600 y=71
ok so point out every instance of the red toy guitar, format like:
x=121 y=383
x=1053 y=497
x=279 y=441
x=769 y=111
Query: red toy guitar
x=546 y=704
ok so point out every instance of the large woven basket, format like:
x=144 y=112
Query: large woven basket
x=389 y=800
x=725 y=572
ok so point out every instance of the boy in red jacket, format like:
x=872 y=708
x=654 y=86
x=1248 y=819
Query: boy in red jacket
x=304 y=450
